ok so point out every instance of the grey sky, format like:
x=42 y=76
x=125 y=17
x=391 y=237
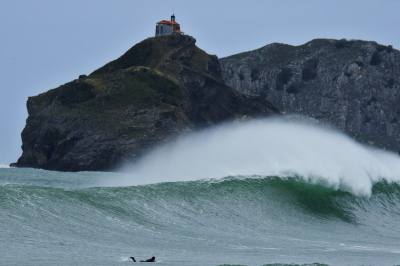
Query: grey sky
x=45 y=43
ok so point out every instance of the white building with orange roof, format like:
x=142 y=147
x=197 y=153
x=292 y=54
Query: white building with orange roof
x=168 y=27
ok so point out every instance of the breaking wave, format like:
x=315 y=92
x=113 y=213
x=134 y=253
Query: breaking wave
x=263 y=192
x=270 y=147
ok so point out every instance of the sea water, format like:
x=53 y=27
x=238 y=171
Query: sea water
x=265 y=192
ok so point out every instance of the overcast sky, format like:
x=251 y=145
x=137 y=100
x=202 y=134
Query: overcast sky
x=45 y=43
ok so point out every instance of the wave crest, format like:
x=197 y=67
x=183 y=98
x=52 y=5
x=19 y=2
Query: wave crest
x=269 y=147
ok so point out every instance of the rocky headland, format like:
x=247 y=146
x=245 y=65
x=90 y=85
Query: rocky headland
x=165 y=86
x=158 y=89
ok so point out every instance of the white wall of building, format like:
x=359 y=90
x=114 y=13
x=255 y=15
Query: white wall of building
x=162 y=29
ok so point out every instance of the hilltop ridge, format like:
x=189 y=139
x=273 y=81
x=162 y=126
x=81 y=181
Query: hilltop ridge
x=158 y=89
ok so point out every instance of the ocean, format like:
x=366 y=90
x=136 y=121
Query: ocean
x=309 y=196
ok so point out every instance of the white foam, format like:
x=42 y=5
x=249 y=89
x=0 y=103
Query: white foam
x=124 y=259
x=269 y=147
x=4 y=166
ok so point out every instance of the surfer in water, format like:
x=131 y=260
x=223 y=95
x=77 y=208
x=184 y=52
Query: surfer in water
x=152 y=259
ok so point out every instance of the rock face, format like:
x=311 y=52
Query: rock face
x=353 y=85
x=159 y=88
x=166 y=85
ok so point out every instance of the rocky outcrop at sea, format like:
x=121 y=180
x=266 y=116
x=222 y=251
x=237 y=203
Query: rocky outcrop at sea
x=158 y=89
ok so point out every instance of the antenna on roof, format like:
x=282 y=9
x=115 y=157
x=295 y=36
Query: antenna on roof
x=173 y=17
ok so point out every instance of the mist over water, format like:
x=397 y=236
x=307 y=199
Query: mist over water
x=281 y=147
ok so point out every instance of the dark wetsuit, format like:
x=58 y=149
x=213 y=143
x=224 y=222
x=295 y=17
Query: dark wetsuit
x=152 y=259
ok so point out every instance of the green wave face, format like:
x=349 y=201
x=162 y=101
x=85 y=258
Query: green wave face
x=237 y=220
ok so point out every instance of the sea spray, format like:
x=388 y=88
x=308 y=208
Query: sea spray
x=282 y=147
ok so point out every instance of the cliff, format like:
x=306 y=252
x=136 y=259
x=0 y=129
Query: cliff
x=159 y=88
x=353 y=85
x=164 y=86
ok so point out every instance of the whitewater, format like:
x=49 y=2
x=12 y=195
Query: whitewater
x=278 y=191
x=284 y=147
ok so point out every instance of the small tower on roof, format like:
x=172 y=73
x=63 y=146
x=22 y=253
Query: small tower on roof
x=168 y=27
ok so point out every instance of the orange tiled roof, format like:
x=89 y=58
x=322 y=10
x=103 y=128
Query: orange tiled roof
x=168 y=22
